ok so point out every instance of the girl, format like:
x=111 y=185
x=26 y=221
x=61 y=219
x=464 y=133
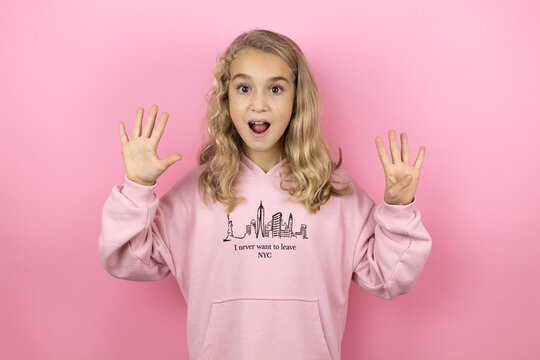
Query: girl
x=265 y=235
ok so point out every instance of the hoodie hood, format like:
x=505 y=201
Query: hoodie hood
x=248 y=167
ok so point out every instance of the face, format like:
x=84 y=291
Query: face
x=261 y=96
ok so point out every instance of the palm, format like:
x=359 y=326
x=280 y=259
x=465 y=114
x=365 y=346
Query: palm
x=398 y=190
x=141 y=160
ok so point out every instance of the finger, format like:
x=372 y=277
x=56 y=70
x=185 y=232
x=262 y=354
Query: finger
x=420 y=158
x=396 y=157
x=158 y=131
x=382 y=152
x=122 y=132
x=138 y=122
x=404 y=148
x=150 y=121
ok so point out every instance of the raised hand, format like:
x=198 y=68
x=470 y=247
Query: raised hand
x=401 y=177
x=140 y=158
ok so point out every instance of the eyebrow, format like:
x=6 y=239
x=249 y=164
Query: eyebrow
x=275 y=78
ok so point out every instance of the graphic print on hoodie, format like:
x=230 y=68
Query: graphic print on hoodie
x=274 y=228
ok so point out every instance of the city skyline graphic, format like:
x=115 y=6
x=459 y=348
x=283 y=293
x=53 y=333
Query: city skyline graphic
x=276 y=227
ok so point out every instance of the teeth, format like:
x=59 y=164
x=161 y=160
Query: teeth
x=258 y=122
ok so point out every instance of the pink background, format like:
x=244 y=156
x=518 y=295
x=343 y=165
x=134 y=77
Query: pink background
x=459 y=77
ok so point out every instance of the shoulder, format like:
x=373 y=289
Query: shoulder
x=191 y=177
x=341 y=174
x=341 y=177
x=187 y=186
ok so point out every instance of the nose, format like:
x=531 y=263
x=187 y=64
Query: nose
x=258 y=102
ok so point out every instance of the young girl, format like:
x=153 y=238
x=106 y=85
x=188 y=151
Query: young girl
x=266 y=234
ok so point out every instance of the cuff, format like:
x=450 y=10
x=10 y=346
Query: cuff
x=400 y=214
x=139 y=194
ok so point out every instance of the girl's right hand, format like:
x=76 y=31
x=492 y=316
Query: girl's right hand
x=140 y=158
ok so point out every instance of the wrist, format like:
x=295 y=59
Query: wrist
x=140 y=182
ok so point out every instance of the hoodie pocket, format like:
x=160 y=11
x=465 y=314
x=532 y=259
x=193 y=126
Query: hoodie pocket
x=245 y=329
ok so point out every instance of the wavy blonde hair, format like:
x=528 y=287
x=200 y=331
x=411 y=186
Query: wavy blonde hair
x=307 y=176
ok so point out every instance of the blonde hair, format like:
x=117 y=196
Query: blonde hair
x=308 y=157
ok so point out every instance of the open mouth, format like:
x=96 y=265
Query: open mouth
x=259 y=127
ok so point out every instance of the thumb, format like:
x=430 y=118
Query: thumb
x=405 y=181
x=171 y=159
x=400 y=184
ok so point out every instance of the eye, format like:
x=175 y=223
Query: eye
x=243 y=88
x=276 y=89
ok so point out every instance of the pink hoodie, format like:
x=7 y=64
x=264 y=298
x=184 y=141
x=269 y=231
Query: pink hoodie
x=270 y=280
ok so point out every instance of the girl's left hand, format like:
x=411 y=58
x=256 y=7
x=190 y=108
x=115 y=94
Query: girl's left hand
x=399 y=188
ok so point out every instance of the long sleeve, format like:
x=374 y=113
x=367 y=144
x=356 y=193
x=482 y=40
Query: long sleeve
x=392 y=249
x=134 y=244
